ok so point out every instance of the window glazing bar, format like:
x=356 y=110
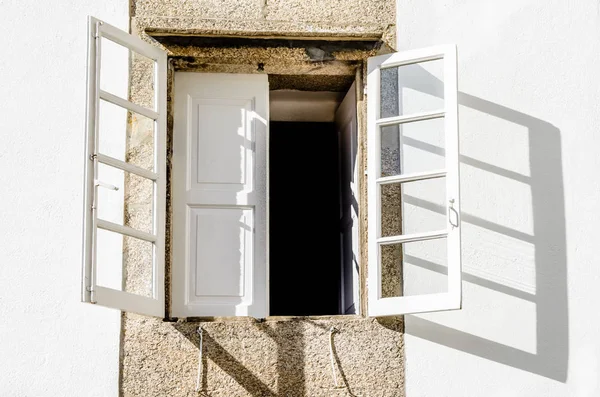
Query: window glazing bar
x=410 y=118
x=113 y=162
x=409 y=238
x=115 y=100
x=416 y=176
x=126 y=230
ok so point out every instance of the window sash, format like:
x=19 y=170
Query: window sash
x=91 y=292
x=378 y=306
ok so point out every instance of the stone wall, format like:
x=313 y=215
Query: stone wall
x=278 y=356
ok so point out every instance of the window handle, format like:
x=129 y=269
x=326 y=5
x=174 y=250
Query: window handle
x=105 y=185
x=451 y=210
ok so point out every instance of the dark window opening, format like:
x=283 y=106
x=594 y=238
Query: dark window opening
x=304 y=225
x=313 y=266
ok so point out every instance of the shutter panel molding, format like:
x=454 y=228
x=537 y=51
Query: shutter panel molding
x=219 y=195
x=418 y=161
x=123 y=259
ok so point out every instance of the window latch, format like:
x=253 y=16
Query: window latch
x=105 y=185
x=451 y=210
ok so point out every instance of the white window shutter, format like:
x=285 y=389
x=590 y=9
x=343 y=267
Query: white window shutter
x=219 y=195
x=123 y=253
x=421 y=155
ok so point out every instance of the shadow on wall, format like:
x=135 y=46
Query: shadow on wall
x=290 y=358
x=548 y=240
x=294 y=357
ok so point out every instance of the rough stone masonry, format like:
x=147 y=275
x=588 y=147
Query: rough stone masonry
x=243 y=356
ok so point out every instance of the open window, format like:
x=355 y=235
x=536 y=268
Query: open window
x=124 y=210
x=264 y=168
x=313 y=197
x=265 y=186
x=413 y=182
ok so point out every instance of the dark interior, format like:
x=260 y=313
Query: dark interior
x=304 y=205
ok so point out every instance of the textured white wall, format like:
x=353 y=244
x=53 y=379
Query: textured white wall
x=529 y=81
x=50 y=343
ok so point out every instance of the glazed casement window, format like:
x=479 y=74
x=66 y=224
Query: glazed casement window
x=114 y=232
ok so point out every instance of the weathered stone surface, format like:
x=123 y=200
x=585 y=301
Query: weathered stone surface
x=261 y=28
x=338 y=11
x=279 y=356
x=223 y=9
x=270 y=358
x=357 y=12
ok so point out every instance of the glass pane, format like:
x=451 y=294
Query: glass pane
x=131 y=205
x=390 y=150
x=124 y=263
x=413 y=147
x=413 y=207
x=120 y=66
x=415 y=268
x=414 y=88
x=126 y=135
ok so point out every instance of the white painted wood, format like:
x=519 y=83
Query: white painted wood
x=414 y=304
x=453 y=178
x=413 y=56
x=113 y=162
x=91 y=292
x=221 y=249
x=129 y=41
x=89 y=164
x=125 y=230
x=219 y=195
x=409 y=238
x=386 y=121
x=221 y=144
x=346 y=124
x=115 y=100
x=416 y=176
x=128 y=302
x=378 y=306
x=373 y=190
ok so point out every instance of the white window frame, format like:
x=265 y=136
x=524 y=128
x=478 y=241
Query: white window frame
x=91 y=292
x=378 y=306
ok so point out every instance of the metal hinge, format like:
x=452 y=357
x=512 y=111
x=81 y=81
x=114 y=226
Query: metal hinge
x=92 y=294
x=96 y=35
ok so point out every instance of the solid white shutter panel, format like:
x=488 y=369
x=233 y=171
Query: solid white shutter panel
x=125 y=175
x=412 y=116
x=219 y=195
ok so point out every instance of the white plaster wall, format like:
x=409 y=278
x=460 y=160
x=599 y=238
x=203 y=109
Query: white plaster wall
x=50 y=343
x=529 y=81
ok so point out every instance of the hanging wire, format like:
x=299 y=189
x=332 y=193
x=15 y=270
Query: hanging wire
x=332 y=331
x=200 y=365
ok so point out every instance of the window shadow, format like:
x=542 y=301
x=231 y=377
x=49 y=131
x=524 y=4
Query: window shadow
x=289 y=340
x=548 y=240
x=212 y=350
